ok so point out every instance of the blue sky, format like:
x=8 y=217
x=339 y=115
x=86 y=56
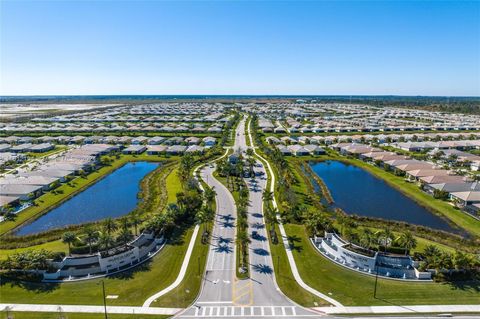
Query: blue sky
x=240 y=47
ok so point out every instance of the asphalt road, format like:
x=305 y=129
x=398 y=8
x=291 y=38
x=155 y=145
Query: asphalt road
x=222 y=295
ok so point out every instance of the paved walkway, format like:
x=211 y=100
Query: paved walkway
x=401 y=309
x=88 y=309
x=291 y=260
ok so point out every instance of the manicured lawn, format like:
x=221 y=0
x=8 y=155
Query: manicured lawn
x=173 y=185
x=55 y=245
x=51 y=315
x=189 y=288
x=353 y=289
x=132 y=287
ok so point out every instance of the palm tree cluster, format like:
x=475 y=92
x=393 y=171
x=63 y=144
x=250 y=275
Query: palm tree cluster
x=108 y=234
x=206 y=214
x=228 y=128
x=34 y=259
x=186 y=165
x=242 y=224
x=232 y=171
x=449 y=263
x=317 y=222
x=290 y=205
x=385 y=240
x=270 y=214
x=185 y=211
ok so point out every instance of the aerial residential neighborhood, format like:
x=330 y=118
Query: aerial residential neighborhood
x=239 y=159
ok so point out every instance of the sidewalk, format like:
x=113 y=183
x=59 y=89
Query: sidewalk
x=401 y=309
x=88 y=309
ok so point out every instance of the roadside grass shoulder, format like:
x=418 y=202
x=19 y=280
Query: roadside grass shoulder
x=185 y=294
x=285 y=280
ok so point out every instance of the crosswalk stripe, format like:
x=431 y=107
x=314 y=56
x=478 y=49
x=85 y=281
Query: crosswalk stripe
x=246 y=311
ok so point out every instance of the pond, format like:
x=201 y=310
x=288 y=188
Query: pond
x=356 y=191
x=113 y=196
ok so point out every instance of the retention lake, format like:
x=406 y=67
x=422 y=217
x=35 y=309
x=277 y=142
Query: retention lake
x=113 y=196
x=356 y=191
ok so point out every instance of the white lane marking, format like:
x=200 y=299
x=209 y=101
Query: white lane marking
x=248 y=311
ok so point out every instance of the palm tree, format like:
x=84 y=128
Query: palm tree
x=267 y=196
x=106 y=240
x=408 y=241
x=125 y=235
x=251 y=164
x=461 y=261
x=135 y=219
x=210 y=195
x=90 y=236
x=202 y=217
x=244 y=240
x=386 y=237
x=110 y=225
x=69 y=238
x=366 y=238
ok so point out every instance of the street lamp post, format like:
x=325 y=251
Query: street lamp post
x=104 y=299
